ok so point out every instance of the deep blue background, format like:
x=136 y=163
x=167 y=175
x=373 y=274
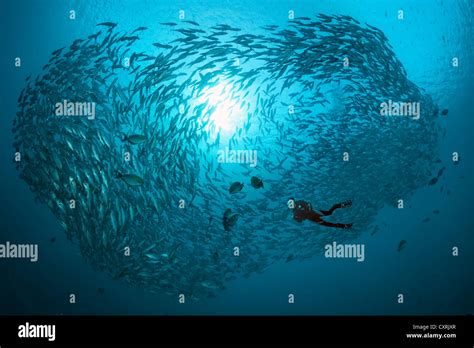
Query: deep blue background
x=433 y=281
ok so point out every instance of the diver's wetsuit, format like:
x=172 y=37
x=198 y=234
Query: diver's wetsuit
x=303 y=211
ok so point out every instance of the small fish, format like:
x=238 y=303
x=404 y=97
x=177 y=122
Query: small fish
x=151 y=256
x=444 y=112
x=401 y=245
x=229 y=219
x=134 y=139
x=433 y=181
x=156 y=44
x=108 y=24
x=170 y=24
x=53 y=239
x=435 y=211
x=426 y=220
x=290 y=257
x=227 y=213
x=376 y=229
x=55 y=53
x=101 y=291
x=440 y=172
x=256 y=182
x=130 y=179
x=236 y=187
x=192 y=22
x=173 y=252
x=139 y=29
x=122 y=274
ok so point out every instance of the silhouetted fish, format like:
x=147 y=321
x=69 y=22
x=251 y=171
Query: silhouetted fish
x=108 y=24
x=229 y=219
x=401 y=245
x=256 y=182
x=236 y=187
x=157 y=44
x=375 y=230
x=191 y=22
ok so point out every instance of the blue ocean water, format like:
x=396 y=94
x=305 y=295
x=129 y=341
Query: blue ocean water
x=432 y=280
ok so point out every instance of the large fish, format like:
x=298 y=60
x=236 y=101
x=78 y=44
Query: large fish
x=236 y=187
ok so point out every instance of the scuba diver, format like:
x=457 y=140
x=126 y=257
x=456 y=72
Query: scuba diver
x=303 y=211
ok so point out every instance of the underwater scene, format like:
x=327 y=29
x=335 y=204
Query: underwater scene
x=237 y=157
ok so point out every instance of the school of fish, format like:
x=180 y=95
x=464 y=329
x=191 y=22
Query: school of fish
x=180 y=211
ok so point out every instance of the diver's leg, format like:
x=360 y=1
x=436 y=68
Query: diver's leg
x=345 y=204
x=330 y=211
x=315 y=217
x=330 y=224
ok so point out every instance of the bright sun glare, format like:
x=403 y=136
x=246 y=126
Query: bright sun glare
x=227 y=114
